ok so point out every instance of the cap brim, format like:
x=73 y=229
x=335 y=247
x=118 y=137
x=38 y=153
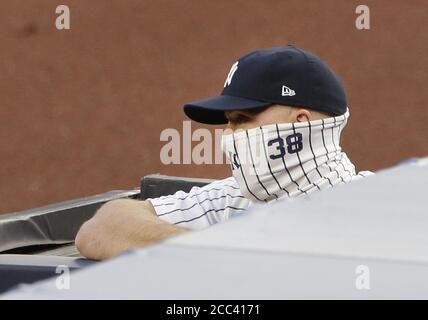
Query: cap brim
x=211 y=110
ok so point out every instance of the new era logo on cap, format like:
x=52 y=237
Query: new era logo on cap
x=286 y=91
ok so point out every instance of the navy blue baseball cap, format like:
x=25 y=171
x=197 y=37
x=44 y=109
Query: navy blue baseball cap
x=284 y=75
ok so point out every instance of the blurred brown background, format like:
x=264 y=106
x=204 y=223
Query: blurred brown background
x=81 y=110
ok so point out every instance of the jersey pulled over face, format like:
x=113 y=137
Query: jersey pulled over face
x=288 y=159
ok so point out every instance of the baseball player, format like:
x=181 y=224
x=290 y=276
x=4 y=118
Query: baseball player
x=285 y=110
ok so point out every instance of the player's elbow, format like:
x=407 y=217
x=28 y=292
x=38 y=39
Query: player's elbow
x=86 y=241
x=92 y=237
x=82 y=241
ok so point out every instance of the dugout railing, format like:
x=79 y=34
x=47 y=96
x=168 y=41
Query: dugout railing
x=33 y=243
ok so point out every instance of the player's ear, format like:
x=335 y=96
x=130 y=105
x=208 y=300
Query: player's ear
x=302 y=115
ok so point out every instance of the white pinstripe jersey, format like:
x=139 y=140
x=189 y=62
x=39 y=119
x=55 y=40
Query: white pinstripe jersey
x=202 y=206
x=208 y=205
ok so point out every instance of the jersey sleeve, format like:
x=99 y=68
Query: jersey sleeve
x=202 y=206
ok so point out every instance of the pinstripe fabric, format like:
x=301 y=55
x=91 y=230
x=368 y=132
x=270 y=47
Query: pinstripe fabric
x=202 y=206
x=289 y=159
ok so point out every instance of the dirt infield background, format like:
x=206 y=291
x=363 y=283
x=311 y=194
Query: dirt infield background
x=81 y=110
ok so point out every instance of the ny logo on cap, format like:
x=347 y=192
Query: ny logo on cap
x=231 y=73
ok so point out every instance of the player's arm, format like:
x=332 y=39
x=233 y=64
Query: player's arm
x=120 y=225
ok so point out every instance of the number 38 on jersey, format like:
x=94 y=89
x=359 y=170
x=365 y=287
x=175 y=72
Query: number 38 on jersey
x=293 y=143
x=277 y=148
